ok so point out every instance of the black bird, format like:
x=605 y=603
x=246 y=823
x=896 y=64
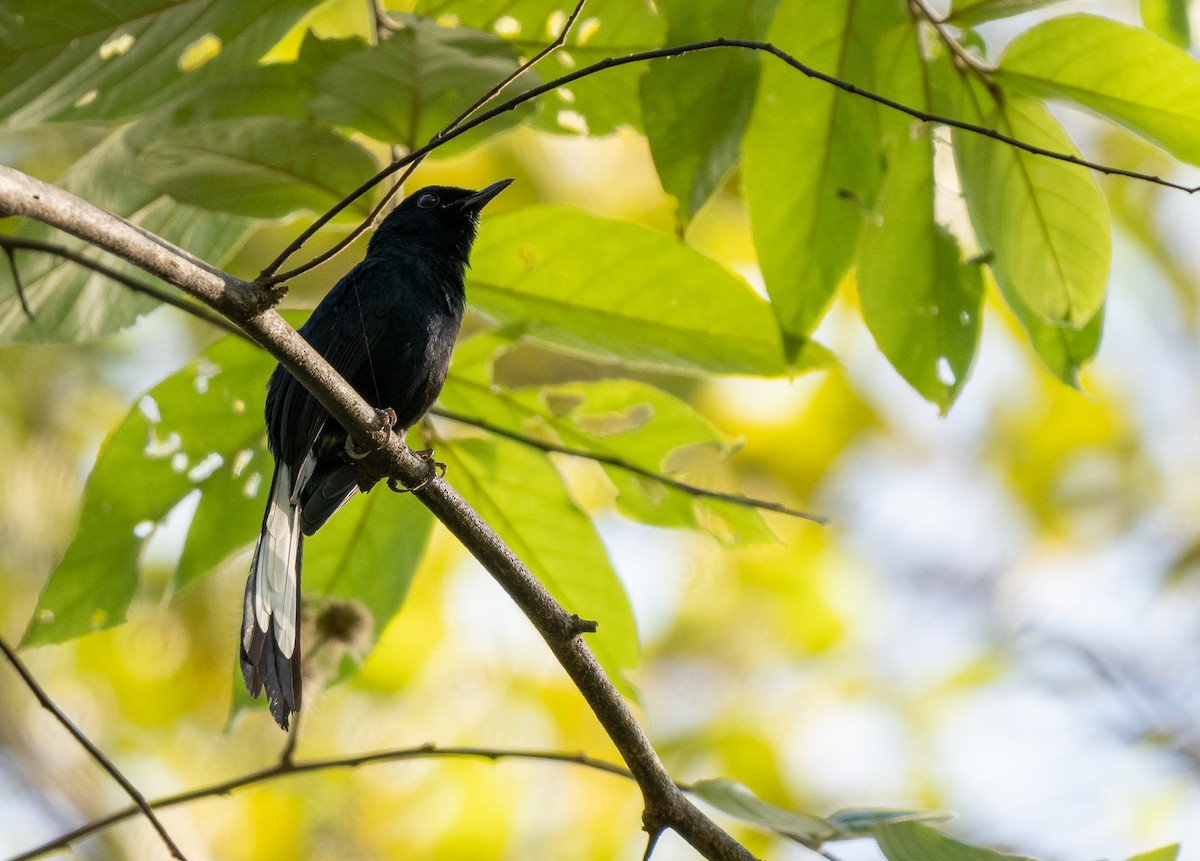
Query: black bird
x=388 y=327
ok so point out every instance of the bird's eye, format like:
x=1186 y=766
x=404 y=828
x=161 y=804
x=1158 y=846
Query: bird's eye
x=427 y=201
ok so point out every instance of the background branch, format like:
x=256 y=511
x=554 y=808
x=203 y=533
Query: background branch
x=266 y=278
x=287 y=768
x=664 y=803
x=94 y=752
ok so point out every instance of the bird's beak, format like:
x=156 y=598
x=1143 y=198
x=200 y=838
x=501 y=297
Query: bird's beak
x=482 y=198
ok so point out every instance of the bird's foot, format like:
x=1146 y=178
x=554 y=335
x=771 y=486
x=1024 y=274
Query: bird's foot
x=387 y=422
x=438 y=470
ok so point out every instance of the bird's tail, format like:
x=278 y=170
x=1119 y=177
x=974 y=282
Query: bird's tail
x=270 y=653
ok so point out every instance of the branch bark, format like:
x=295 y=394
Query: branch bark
x=665 y=805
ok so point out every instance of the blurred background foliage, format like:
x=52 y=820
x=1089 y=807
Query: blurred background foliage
x=1000 y=620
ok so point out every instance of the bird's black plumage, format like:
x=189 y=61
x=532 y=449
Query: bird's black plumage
x=388 y=327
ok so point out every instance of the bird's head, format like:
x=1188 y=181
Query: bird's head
x=439 y=218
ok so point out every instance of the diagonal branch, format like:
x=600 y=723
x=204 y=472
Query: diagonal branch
x=94 y=752
x=665 y=805
x=619 y=463
x=271 y=275
x=290 y=768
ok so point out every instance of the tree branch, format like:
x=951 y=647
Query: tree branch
x=659 y=53
x=290 y=768
x=94 y=752
x=619 y=463
x=664 y=803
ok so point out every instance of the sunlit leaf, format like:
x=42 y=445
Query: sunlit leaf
x=1163 y=853
x=1169 y=19
x=920 y=301
x=737 y=800
x=621 y=292
x=1125 y=73
x=1044 y=222
x=626 y=420
x=696 y=107
x=183 y=434
x=968 y=13
x=911 y=841
x=521 y=495
x=430 y=75
x=862 y=821
x=87 y=60
x=261 y=167
x=812 y=156
x=608 y=28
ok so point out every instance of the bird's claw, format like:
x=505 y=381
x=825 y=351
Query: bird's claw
x=387 y=422
x=438 y=471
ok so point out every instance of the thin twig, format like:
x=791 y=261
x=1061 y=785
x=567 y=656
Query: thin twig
x=413 y=162
x=267 y=278
x=281 y=769
x=11 y=254
x=610 y=460
x=94 y=752
x=202 y=312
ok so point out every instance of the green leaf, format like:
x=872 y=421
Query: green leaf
x=1063 y=349
x=89 y=60
x=911 y=841
x=697 y=106
x=1163 y=853
x=520 y=494
x=811 y=153
x=71 y=303
x=921 y=303
x=1125 y=73
x=735 y=799
x=430 y=74
x=968 y=13
x=598 y=105
x=260 y=167
x=631 y=421
x=186 y=434
x=1045 y=222
x=857 y=822
x=1169 y=19
x=621 y=291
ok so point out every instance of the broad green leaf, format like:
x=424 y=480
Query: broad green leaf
x=260 y=167
x=922 y=304
x=520 y=494
x=1125 y=73
x=630 y=421
x=71 y=303
x=812 y=156
x=858 y=822
x=735 y=799
x=430 y=75
x=1163 y=853
x=183 y=434
x=1044 y=221
x=696 y=107
x=968 y=13
x=623 y=292
x=1169 y=19
x=88 y=60
x=1063 y=349
x=911 y=841
x=596 y=105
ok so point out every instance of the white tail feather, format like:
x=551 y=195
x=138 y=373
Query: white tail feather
x=275 y=586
